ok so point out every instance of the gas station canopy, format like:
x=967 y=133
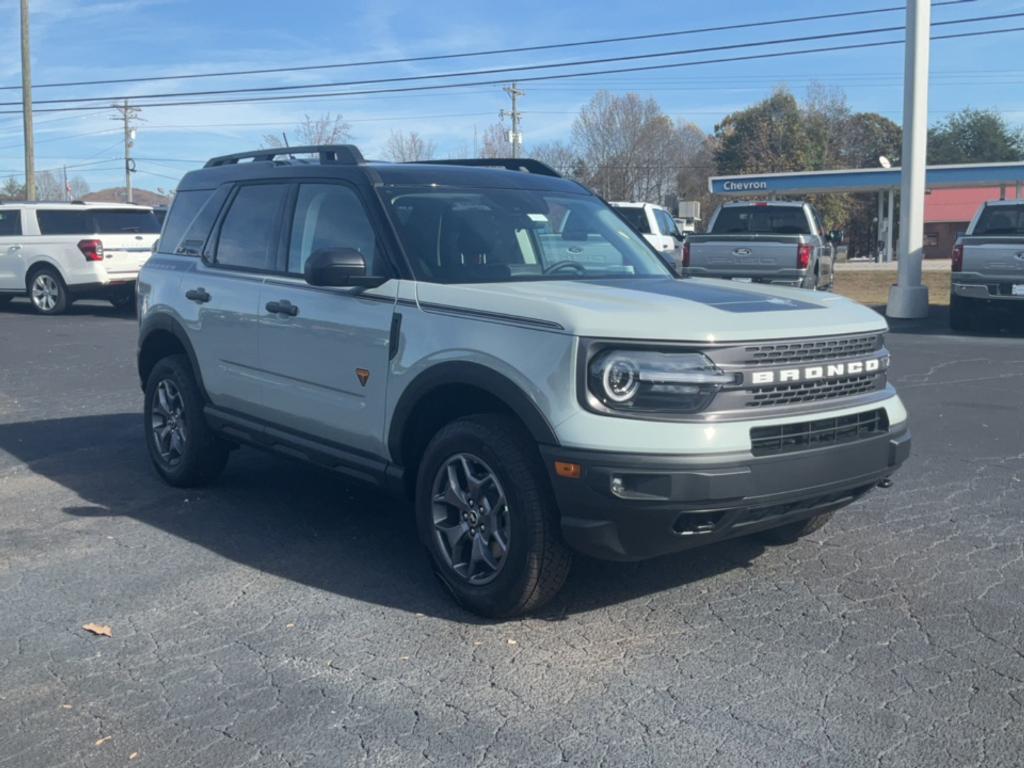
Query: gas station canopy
x=865 y=180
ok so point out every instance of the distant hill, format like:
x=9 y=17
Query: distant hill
x=117 y=195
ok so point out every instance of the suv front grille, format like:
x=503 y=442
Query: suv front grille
x=811 y=350
x=811 y=391
x=784 y=438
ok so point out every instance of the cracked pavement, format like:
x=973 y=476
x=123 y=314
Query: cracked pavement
x=284 y=617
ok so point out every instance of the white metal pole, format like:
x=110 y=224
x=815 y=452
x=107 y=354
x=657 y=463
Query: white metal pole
x=908 y=298
x=880 y=237
x=890 y=228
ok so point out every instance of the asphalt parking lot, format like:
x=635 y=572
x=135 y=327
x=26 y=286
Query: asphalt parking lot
x=285 y=617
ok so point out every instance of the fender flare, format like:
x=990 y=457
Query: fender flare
x=472 y=374
x=163 y=321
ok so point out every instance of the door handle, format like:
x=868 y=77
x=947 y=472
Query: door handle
x=198 y=295
x=283 y=307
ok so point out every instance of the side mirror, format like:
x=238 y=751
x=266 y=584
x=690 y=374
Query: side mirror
x=339 y=267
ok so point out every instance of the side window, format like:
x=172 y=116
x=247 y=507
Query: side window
x=183 y=210
x=665 y=223
x=64 y=223
x=10 y=223
x=248 y=232
x=331 y=216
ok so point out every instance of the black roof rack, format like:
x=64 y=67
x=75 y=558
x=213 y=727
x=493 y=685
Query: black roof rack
x=523 y=164
x=343 y=154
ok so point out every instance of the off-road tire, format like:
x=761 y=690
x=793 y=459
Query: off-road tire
x=537 y=561
x=788 y=534
x=205 y=454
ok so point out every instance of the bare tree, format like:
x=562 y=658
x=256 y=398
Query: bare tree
x=48 y=187
x=12 y=189
x=495 y=142
x=560 y=156
x=325 y=129
x=79 y=187
x=409 y=147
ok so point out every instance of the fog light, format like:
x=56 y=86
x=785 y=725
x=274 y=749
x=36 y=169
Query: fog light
x=618 y=487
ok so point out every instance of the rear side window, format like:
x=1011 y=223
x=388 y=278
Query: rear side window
x=123 y=221
x=665 y=222
x=180 y=218
x=998 y=220
x=248 y=232
x=762 y=220
x=63 y=223
x=98 y=221
x=636 y=218
x=329 y=216
x=10 y=223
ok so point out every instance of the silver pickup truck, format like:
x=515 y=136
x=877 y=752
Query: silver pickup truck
x=763 y=242
x=988 y=265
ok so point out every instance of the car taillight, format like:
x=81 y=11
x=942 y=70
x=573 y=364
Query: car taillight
x=958 y=257
x=91 y=249
x=803 y=256
x=686 y=253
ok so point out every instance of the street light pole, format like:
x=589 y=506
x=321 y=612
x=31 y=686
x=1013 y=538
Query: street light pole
x=908 y=298
x=26 y=106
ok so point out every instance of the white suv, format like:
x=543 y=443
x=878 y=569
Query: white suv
x=58 y=252
x=657 y=226
x=504 y=351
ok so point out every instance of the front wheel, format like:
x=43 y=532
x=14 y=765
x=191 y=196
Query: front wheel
x=183 y=448
x=486 y=513
x=788 y=534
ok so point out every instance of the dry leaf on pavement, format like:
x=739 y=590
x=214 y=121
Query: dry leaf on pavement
x=97 y=629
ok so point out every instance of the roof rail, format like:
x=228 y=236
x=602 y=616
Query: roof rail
x=343 y=154
x=522 y=164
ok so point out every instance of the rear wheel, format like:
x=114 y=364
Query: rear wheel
x=47 y=292
x=787 y=534
x=183 y=448
x=487 y=516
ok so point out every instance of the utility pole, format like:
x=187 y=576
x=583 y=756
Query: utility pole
x=26 y=106
x=515 y=137
x=64 y=175
x=127 y=115
x=908 y=298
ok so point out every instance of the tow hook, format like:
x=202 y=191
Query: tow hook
x=885 y=482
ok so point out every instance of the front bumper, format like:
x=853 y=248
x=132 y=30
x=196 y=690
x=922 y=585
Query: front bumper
x=664 y=504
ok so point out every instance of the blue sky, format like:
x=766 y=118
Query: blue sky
x=75 y=40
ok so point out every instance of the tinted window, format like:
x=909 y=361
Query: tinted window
x=762 y=219
x=636 y=218
x=330 y=216
x=63 y=223
x=183 y=211
x=116 y=221
x=98 y=221
x=10 y=223
x=1001 y=220
x=247 y=234
x=665 y=222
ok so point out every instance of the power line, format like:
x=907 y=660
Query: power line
x=492 y=52
x=535 y=78
x=519 y=68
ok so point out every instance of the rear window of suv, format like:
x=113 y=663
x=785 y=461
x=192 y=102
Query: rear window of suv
x=98 y=221
x=761 y=220
x=1001 y=220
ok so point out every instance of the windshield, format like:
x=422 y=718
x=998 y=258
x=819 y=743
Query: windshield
x=472 y=235
x=1001 y=220
x=761 y=219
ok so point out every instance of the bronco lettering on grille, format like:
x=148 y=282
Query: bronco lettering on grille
x=816 y=372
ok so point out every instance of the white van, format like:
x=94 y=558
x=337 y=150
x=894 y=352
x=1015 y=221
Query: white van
x=55 y=253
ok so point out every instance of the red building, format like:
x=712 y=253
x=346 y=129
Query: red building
x=947 y=212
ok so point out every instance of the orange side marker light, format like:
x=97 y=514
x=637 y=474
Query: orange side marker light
x=568 y=469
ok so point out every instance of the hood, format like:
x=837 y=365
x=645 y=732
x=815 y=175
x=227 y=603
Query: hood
x=663 y=309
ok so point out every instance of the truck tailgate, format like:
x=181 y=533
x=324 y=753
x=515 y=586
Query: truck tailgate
x=995 y=259
x=743 y=257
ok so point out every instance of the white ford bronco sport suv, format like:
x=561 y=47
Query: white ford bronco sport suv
x=497 y=345
x=58 y=252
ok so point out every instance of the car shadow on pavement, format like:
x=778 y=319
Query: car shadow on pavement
x=91 y=307
x=305 y=524
x=1001 y=325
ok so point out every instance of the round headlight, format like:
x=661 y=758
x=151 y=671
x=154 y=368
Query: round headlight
x=621 y=379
